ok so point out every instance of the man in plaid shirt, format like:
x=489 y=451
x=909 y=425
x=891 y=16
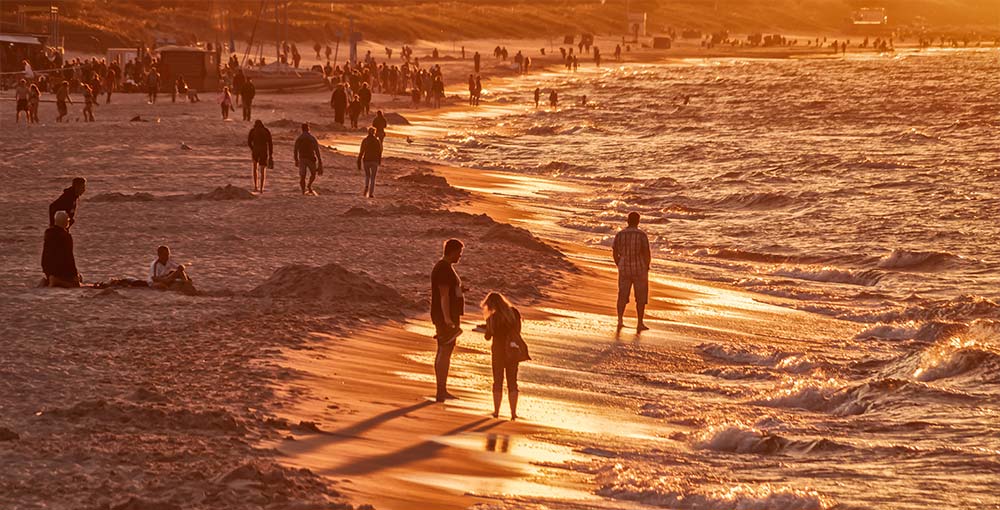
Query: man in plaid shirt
x=632 y=256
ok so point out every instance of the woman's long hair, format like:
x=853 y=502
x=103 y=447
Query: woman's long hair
x=496 y=305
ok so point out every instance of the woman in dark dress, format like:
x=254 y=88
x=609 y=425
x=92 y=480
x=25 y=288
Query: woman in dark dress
x=503 y=327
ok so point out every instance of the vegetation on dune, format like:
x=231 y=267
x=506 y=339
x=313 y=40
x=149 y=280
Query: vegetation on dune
x=98 y=24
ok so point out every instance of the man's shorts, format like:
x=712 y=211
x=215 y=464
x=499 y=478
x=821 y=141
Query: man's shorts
x=22 y=105
x=260 y=158
x=63 y=108
x=639 y=282
x=306 y=164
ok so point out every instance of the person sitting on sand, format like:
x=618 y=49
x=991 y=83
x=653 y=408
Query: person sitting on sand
x=307 y=157
x=508 y=350
x=68 y=201
x=447 y=308
x=370 y=158
x=58 y=262
x=632 y=256
x=380 y=123
x=165 y=274
x=261 y=152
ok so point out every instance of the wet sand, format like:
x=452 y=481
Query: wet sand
x=135 y=397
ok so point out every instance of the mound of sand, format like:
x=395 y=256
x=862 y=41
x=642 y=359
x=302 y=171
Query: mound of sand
x=329 y=283
x=151 y=416
x=425 y=178
x=122 y=197
x=229 y=192
x=396 y=119
x=504 y=233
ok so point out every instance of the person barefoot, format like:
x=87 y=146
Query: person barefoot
x=447 y=307
x=165 y=274
x=508 y=350
x=261 y=152
x=632 y=256
x=307 y=158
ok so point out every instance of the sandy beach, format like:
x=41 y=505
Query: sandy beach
x=301 y=375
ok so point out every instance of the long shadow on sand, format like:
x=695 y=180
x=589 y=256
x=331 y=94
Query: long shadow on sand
x=420 y=451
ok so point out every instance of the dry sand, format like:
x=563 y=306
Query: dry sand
x=301 y=374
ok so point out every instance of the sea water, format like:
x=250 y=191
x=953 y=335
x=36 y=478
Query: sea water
x=864 y=188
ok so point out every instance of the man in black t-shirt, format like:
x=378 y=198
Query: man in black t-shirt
x=447 y=308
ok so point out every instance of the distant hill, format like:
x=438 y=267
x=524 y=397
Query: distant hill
x=98 y=24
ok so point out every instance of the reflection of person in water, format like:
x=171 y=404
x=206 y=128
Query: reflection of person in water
x=499 y=444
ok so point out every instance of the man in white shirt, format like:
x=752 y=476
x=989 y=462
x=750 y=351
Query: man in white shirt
x=165 y=274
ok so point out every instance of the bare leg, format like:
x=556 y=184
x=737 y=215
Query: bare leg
x=302 y=183
x=621 y=314
x=312 y=178
x=512 y=400
x=263 y=175
x=497 y=398
x=641 y=313
x=255 y=176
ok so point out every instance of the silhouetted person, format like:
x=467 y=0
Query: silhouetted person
x=365 y=94
x=538 y=96
x=307 y=158
x=370 y=158
x=165 y=274
x=247 y=93
x=632 y=256
x=447 y=308
x=261 y=152
x=475 y=59
x=354 y=111
x=472 y=90
x=68 y=201
x=238 y=82
x=380 y=123
x=58 y=262
x=338 y=101
x=63 y=99
x=508 y=350
x=553 y=99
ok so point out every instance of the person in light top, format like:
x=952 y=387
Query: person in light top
x=165 y=274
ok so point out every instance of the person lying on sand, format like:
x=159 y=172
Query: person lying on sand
x=503 y=327
x=58 y=262
x=165 y=274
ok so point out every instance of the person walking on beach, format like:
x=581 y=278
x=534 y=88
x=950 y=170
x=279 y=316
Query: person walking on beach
x=248 y=91
x=261 y=152
x=479 y=89
x=354 y=111
x=538 y=96
x=475 y=60
x=62 y=100
x=632 y=256
x=366 y=98
x=447 y=308
x=58 y=262
x=89 y=102
x=307 y=158
x=380 y=123
x=34 y=98
x=238 y=82
x=370 y=158
x=226 y=102
x=508 y=350
x=68 y=201
x=152 y=86
x=338 y=101
x=21 y=96
x=553 y=98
